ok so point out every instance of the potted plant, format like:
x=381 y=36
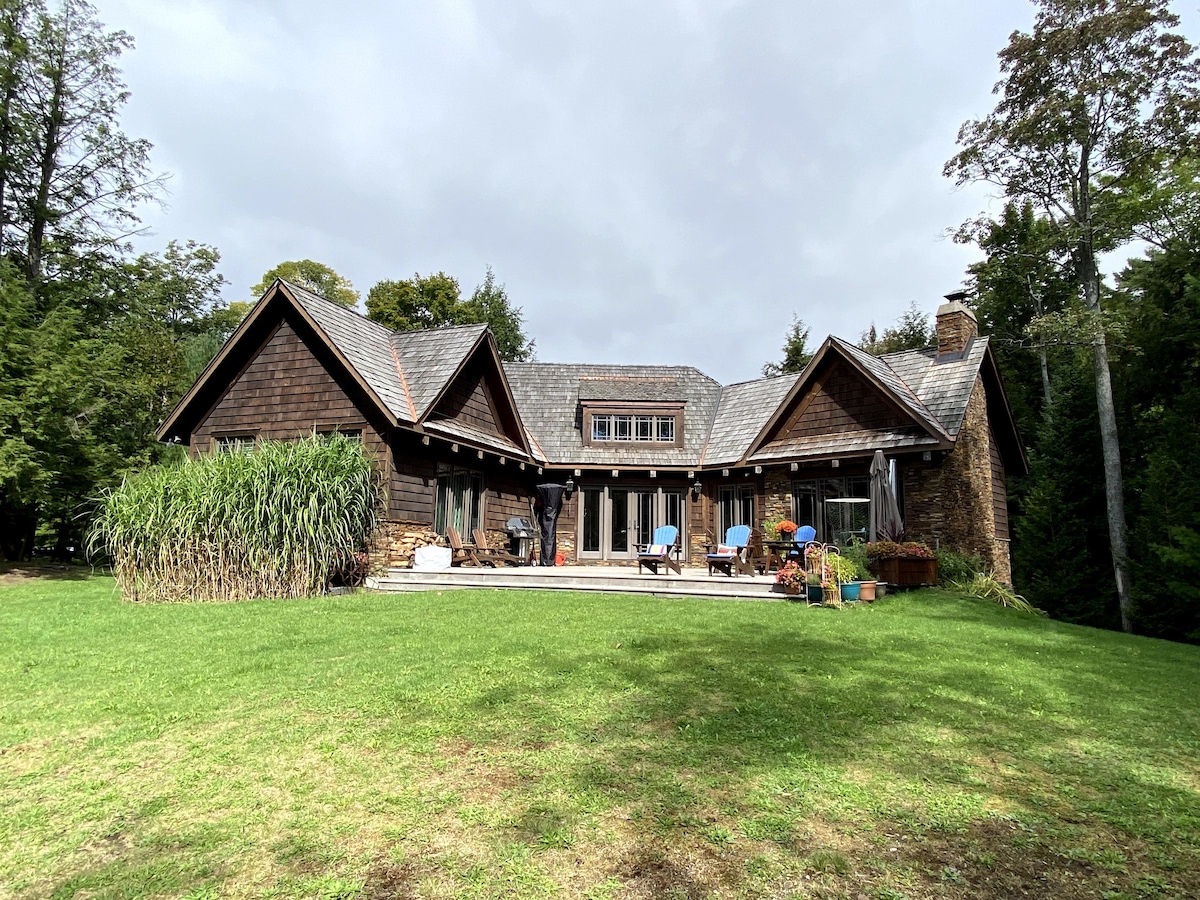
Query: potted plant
x=907 y=563
x=813 y=582
x=856 y=552
x=791 y=577
x=787 y=530
x=844 y=571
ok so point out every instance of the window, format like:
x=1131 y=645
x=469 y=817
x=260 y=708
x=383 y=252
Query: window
x=615 y=519
x=350 y=434
x=234 y=443
x=459 y=500
x=647 y=428
x=836 y=522
x=735 y=506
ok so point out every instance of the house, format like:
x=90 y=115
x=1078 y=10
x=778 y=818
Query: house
x=463 y=438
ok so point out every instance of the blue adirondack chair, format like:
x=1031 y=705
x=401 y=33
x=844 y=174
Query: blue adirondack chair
x=805 y=534
x=665 y=543
x=728 y=555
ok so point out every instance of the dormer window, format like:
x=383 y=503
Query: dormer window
x=660 y=425
x=659 y=429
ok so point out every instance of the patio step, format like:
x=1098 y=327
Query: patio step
x=692 y=583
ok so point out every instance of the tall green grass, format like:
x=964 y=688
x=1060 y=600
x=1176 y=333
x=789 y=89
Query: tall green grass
x=275 y=522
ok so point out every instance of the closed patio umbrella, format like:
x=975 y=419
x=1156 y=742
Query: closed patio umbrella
x=885 y=512
x=551 y=497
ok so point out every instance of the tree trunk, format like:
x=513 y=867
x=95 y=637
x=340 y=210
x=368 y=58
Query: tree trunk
x=41 y=212
x=1109 y=441
x=1045 y=376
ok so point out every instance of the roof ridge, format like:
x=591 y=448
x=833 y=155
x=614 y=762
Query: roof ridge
x=868 y=360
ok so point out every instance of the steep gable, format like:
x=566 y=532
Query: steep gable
x=846 y=402
x=843 y=401
x=468 y=399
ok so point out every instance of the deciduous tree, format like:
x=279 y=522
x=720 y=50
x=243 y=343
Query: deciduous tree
x=432 y=301
x=314 y=276
x=1099 y=97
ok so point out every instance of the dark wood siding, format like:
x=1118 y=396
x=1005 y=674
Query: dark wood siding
x=841 y=401
x=288 y=390
x=999 y=491
x=469 y=400
x=413 y=494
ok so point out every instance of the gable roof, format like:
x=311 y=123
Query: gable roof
x=539 y=405
x=403 y=373
x=430 y=359
x=740 y=416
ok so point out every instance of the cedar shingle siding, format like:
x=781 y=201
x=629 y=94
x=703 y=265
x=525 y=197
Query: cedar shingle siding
x=442 y=398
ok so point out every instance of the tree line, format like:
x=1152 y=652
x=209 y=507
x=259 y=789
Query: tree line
x=97 y=343
x=1094 y=144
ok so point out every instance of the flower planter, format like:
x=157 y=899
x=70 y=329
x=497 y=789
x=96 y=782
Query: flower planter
x=815 y=594
x=906 y=572
x=850 y=591
x=792 y=590
x=866 y=590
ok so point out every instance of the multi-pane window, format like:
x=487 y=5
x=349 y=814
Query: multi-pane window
x=838 y=522
x=459 y=500
x=350 y=434
x=615 y=427
x=735 y=506
x=235 y=443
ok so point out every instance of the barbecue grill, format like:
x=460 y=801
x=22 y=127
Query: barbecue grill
x=520 y=537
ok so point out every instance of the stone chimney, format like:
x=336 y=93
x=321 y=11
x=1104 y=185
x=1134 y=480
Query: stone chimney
x=956 y=325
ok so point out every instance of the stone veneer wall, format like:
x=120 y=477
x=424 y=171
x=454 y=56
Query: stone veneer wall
x=948 y=502
x=777 y=497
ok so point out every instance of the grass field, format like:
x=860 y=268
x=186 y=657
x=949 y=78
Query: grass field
x=491 y=744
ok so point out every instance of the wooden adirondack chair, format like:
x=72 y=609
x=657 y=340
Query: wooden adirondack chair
x=665 y=542
x=463 y=555
x=487 y=554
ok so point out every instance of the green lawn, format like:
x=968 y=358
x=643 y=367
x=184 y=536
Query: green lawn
x=492 y=744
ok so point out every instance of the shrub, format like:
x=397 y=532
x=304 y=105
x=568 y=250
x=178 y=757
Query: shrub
x=958 y=568
x=893 y=550
x=275 y=522
x=856 y=552
x=985 y=586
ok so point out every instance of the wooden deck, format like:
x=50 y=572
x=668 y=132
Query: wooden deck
x=694 y=582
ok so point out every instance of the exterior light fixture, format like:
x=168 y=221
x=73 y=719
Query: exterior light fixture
x=570 y=486
x=696 y=488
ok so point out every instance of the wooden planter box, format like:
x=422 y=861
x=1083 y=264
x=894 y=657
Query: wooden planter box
x=906 y=572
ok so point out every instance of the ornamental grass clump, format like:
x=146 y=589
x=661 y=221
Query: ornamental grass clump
x=274 y=522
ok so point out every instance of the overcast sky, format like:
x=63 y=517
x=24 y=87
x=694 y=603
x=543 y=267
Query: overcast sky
x=654 y=182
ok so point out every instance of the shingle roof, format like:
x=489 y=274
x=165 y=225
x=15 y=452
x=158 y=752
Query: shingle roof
x=943 y=387
x=409 y=370
x=430 y=358
x=743 y=411
x=631 y=388
x=882 y=370
x=549 y=394
x=366 y=344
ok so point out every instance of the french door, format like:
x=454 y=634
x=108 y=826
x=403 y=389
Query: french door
x=613 y=521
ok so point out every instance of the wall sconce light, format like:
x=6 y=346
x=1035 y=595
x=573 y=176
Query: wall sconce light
x=696 y=488
x=570 y=486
